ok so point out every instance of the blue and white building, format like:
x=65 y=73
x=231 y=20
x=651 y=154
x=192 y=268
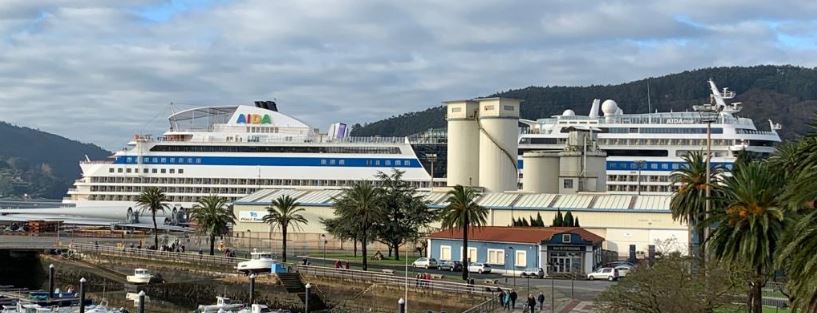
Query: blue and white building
x=556 y=250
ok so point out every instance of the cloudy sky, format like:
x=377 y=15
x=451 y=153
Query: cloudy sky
x=100 y=70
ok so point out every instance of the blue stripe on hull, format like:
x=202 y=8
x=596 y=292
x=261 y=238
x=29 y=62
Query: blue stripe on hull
x=271 y=161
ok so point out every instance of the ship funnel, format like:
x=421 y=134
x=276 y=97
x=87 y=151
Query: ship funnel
x=269 y=105
x=594 y=110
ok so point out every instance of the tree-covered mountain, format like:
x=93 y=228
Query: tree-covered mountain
x=40 y=164
x=785 y=94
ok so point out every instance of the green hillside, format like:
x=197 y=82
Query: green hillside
x=40 y=164
x=785 y=94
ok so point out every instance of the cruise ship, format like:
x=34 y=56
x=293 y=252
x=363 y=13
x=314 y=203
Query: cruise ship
x=234 y=151
x=644 y=149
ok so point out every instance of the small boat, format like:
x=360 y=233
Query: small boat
x=222 y=305
x=259 y=262
x=140 y=276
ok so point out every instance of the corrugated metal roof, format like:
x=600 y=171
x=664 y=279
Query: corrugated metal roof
x=507 y=200
x=319 y=196
x=652 y=203
x=573 y=201
x=498 y=199
x=534 y=201
x=613 y=202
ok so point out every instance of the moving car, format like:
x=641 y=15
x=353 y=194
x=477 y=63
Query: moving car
x=453 y=266
x=479 y=268
x=533 y=273
x=425 y=262
x=607 y=273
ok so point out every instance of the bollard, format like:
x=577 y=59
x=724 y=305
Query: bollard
x=82 y=295
x=401 y=306
x=51 y=280
x=306 y=298
x=252 y=288
x=140 y=307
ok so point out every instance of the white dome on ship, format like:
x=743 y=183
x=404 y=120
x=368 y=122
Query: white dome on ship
x=609 y=107
x=568 y=112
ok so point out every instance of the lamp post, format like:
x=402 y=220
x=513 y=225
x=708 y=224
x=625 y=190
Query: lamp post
x=432 y=157
x=709 y=114
x=82 y=295
x=252 y=289
x=323 y=238
x=513 y=264
x=249 y=239
x=306 y=298
x=51 y=270
x=140 y=307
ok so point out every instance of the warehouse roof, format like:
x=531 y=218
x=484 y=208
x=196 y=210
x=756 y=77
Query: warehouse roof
x=501 y=200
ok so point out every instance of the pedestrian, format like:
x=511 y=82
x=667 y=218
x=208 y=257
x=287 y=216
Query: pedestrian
x=541 y=299
x=513 y=299
x=347 y=265
x=337 y=264
x=502 y=298
x=417 y=280
x=506 y=301
x=531 y=303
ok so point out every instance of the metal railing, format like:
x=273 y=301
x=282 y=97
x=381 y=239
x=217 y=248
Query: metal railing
x=413 y=283
x=178 y=257
x=488 y=306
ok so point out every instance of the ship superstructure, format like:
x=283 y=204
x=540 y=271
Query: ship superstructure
x=234 y=151
x=643 y=149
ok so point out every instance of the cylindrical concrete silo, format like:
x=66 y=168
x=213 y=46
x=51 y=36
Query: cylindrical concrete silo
x=498 y=144
x=541 y=172
x=463 y=143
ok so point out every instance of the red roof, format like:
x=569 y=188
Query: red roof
x=532 y=235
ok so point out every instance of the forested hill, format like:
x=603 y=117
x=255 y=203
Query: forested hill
x=40 y=164
x=785 y=94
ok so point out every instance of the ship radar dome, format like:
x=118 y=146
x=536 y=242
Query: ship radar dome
x=568 y=112
x=609 y=107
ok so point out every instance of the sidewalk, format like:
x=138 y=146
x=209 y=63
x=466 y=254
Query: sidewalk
x=572 y=307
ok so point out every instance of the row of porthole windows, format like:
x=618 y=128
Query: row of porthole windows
x=159 y=160
x=146 y=170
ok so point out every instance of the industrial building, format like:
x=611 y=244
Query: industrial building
x=622 y=220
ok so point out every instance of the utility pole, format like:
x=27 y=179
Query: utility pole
x=709 y=114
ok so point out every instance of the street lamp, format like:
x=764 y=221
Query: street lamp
x=513 y=264
x=323 y=238
x=432 y=157
x=709 y=114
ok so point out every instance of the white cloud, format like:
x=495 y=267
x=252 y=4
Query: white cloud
x=99 y=70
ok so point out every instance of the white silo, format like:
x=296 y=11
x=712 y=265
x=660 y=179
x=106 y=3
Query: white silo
x=540 y=173
x=463 y=143
x=498 y=144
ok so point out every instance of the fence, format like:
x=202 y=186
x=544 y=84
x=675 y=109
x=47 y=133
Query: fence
x=176 y=257
x=415 y=284
x=488 y=306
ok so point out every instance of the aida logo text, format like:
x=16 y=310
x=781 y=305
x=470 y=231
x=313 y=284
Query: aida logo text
x=253 y=119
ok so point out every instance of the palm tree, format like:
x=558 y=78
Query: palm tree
x=212 y=217
x=751 y=225
x=362 y=203
x=798 y=160
x=461 y=212
x=688 y=204
x=284 y=212
x=153 y=199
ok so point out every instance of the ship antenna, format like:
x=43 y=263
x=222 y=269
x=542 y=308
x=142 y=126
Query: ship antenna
x=649 y=104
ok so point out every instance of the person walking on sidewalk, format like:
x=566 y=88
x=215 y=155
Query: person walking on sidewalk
x=507 y=301
x=531 y=305
x=513 y=299
x=541 y=299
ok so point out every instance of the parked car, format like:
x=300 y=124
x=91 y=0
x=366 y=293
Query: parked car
x=479 y=268
x=607 y=273
x=623 y=269
x=617 y=263
x=534 y=273
x=425 y=262
x=453 y=266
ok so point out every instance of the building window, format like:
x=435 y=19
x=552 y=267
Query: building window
x=445 y=253
x=398 y=163
x=119 y=170
x=110 y=170
x=566 y=238
x=127 y=170
x=568 y=184
x=181 y=171
x=154 y=171
x=521 y=258
x=144 y=170
x=172 y=171
x=496 y=256
x=323 y=161
x=341 y=162
x=388 y=163
x=472 y=254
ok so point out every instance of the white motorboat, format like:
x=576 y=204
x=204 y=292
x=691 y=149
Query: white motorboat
x=140 y=276
x=222 y=305
x=259 y=262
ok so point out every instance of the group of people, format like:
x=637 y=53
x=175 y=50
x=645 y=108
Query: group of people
x=341 y=265
x=422 y=280
x=508 y=301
